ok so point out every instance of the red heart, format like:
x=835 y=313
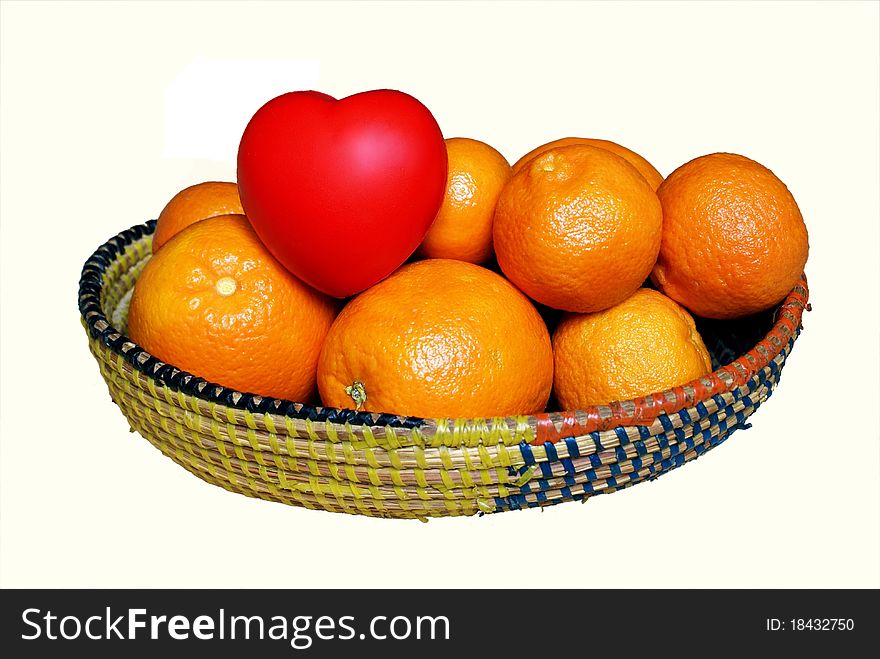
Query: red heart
x=342 y=192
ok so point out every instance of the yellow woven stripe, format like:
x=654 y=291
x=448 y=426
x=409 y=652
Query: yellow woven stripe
x=313 y=450
x=279 y=463
x=291 y=447
x=350 y=474
x=330 y=448
x=441 y=433
x=374 y=477
x=445 y=458
x=524 y=431
x=447 y=480
x=460 y=432
x=394 y=457
x=371 y=459
x=368 y=436
x=465 y=475
x=273 y=443
x=249 y=420
x=486 y=506
x=255 y=446
x=485 y=457
x=348 y=454
x=420 y=458
x=376 y=493
x=396 y=479
x=391 y=437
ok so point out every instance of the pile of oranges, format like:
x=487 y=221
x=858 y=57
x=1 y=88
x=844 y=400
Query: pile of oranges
x=470 y=325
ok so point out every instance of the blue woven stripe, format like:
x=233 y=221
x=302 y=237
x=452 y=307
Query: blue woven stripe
x=572 y=445
x=552 y=455
x=528 y=456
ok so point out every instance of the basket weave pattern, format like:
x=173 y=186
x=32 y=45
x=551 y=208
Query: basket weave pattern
x=390 y=466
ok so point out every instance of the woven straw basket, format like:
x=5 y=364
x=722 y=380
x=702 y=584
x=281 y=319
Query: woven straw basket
x=390 y=466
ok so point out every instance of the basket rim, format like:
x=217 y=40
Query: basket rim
x=549 y=426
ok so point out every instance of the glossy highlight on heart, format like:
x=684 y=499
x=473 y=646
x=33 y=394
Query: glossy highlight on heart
x=342 y=191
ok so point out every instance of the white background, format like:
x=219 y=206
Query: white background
x=109 y=109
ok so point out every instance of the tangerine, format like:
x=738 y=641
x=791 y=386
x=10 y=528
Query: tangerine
x=646 y=169
x=438 y=338
x=646 y=344
x=463 y=228
x=577 y=229
x=214 y=302
x=734 y=240
x=197 y=202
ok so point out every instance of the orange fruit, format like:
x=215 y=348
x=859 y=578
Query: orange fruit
x=577 y=229
x=214 y=302
x=438 y=338
x=463 y=227
x=197 y=202
x=734 y=241
x=646 y=169
x=646 y=344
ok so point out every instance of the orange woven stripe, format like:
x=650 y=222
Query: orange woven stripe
x=644 y=410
